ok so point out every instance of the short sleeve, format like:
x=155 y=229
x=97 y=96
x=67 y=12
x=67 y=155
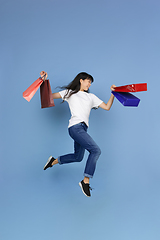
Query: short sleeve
x=95 y=101
x=63 y=93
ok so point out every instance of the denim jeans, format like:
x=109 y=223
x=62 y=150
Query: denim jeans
x=82 y=141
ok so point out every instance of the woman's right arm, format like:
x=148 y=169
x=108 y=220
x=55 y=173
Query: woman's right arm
x=56 y=95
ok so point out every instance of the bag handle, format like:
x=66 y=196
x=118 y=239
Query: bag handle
x=44 y=75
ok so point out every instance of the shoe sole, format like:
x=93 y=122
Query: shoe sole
x=82 y=189
x=47 y=162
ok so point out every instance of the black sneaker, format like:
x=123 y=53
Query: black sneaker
x=85 y=188
x=49 y=162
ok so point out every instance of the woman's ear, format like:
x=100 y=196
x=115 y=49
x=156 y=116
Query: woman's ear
x=81 y=80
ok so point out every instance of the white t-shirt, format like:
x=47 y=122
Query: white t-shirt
x=80 y=105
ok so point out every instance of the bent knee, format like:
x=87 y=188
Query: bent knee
x=97 y=151
x=79 y=158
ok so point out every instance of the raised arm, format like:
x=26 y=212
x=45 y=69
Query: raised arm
x=108 y=105
x=56 y=95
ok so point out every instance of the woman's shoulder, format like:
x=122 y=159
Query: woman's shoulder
x=92 y=94
x=63 y=93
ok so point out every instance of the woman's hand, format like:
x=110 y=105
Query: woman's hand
x=44 y=75
x=113 y=87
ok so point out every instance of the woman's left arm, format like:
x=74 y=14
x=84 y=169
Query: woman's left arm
x=108 y=105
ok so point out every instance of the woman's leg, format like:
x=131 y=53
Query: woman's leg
x=77 y=156
x=79 y=134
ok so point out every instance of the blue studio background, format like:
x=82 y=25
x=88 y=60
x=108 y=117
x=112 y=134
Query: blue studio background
x=118 y=42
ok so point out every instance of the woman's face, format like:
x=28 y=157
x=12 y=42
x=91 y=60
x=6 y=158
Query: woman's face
x=85 y=84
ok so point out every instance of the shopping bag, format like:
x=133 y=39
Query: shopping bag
x=132 y=88
x=46 y=95
x=127 y=99
x=32 y=89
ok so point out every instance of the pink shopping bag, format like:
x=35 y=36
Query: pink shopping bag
x=32 y=89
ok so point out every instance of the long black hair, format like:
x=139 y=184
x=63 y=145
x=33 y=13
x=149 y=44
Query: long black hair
x=75 y=85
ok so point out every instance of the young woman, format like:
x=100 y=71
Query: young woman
x=80 y=103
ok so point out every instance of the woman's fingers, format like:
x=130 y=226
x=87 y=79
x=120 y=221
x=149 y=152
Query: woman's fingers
x=113 y=87
x=44 y=75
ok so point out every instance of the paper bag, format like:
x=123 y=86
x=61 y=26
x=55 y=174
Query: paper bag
x=127 y=99
x=46 y=95
x=132 y=88
x=32 y=89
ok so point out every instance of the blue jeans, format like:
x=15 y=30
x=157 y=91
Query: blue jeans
x=82 y=141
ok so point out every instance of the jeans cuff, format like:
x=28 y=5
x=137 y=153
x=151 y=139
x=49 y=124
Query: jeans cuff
x=59 y=161
x=87 y=175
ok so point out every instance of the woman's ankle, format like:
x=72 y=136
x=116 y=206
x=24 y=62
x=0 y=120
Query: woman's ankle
x=86 y=180
x=55 y=162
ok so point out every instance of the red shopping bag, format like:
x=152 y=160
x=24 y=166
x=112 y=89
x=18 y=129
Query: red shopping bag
x=132 y=88
x=32 y=89
x=46 y=95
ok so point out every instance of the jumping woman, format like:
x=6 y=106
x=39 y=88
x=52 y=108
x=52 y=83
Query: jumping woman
x=80 y=103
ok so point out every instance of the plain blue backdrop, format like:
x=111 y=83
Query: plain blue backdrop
x=118 y=42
